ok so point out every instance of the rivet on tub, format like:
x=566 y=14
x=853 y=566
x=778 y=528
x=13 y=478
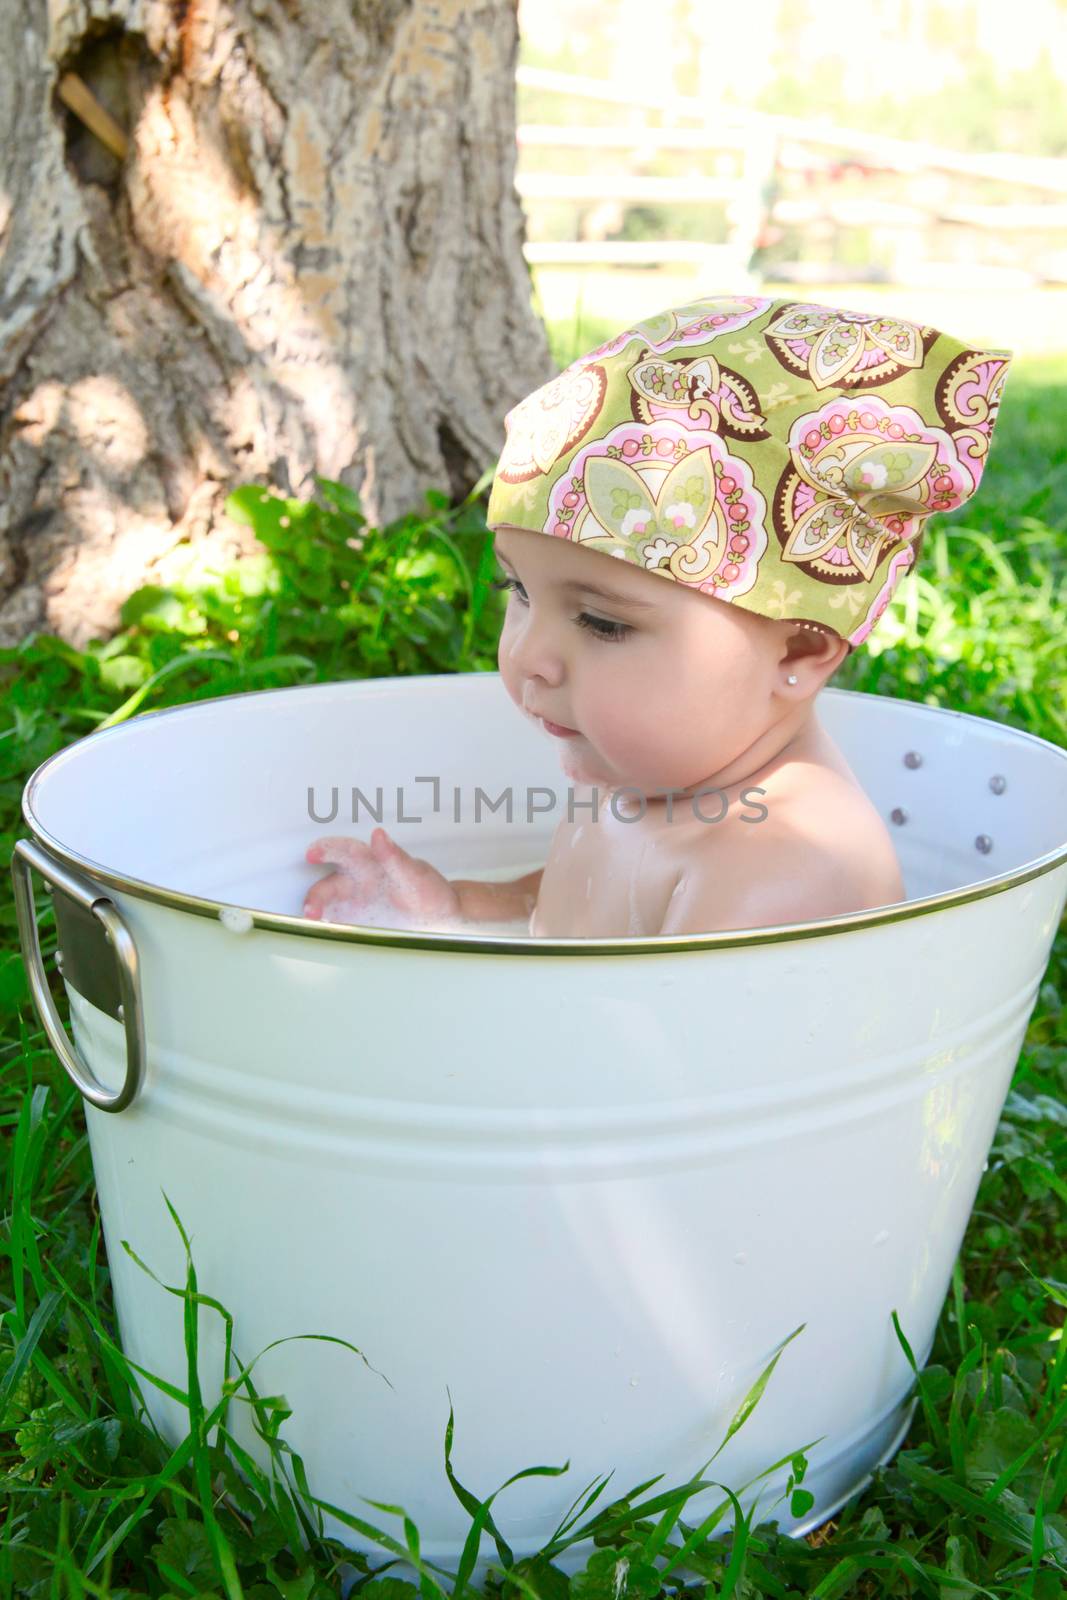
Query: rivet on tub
x=59 y=961
x=913 y=759
x=983 y=843
x=997 y=783
x=898 y=816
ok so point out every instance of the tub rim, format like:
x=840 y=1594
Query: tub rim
x=516 y=944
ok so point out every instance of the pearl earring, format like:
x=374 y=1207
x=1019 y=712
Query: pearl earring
x=792 y=678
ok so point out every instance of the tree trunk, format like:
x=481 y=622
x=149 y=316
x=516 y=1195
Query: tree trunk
x=301 y=254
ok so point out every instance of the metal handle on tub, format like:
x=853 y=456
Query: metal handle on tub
x=27 y=855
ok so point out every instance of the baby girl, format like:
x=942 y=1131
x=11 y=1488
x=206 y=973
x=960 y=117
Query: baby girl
x=761 y=471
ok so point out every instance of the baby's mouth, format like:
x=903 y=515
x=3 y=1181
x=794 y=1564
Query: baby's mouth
x=558 y=730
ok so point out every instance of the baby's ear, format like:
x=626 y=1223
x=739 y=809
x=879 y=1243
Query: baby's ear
x=817 y=647
x=839 y=664
x=802 y=639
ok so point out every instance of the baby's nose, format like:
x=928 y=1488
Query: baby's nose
x=536 y=654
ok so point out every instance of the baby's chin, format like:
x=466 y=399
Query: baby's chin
x=582 y=764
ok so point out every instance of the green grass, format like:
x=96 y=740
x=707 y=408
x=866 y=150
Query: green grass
x=93 y=1503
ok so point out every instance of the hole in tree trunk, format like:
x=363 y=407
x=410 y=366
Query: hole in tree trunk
x=115 y=67
x=461 y=469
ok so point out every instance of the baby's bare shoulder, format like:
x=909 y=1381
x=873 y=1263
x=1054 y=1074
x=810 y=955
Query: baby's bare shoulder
x=822 y=850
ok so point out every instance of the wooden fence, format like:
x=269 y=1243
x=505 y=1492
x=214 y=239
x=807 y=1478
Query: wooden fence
x=792 y=180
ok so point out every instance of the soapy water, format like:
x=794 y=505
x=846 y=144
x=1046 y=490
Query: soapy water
x=379 y=912
x=235 y=919
x=242 y=897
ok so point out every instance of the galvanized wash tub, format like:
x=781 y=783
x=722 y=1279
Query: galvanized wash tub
x=588 y=1187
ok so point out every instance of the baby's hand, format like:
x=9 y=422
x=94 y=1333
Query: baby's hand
x=378 y=882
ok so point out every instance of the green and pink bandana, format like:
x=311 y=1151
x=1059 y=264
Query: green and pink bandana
x=779 y=455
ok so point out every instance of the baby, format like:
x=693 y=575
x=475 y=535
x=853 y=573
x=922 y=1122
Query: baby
x=761 y=471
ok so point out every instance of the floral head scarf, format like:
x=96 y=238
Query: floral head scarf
x=781 y=456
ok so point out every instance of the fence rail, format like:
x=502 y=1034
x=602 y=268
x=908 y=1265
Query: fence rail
x=1041 y=172
x=773 y=154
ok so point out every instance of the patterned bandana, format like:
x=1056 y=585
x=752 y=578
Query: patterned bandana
x=779 y=455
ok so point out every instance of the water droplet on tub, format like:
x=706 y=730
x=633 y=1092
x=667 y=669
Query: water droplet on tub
x=633 y=1383
x=740 y=1258
x=235 y=920
x=619 y=1351
x=880 y=1238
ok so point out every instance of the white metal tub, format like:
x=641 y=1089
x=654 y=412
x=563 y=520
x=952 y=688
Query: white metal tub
x=587 y=1187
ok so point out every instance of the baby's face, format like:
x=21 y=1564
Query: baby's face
x=664 y=686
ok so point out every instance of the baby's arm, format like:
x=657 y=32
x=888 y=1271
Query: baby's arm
x=380 y=882
x=498 y=902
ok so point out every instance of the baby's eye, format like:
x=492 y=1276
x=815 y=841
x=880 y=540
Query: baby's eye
x=601 y=627
x=509 y=583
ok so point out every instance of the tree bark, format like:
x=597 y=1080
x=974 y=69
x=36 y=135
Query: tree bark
x=308 y=260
